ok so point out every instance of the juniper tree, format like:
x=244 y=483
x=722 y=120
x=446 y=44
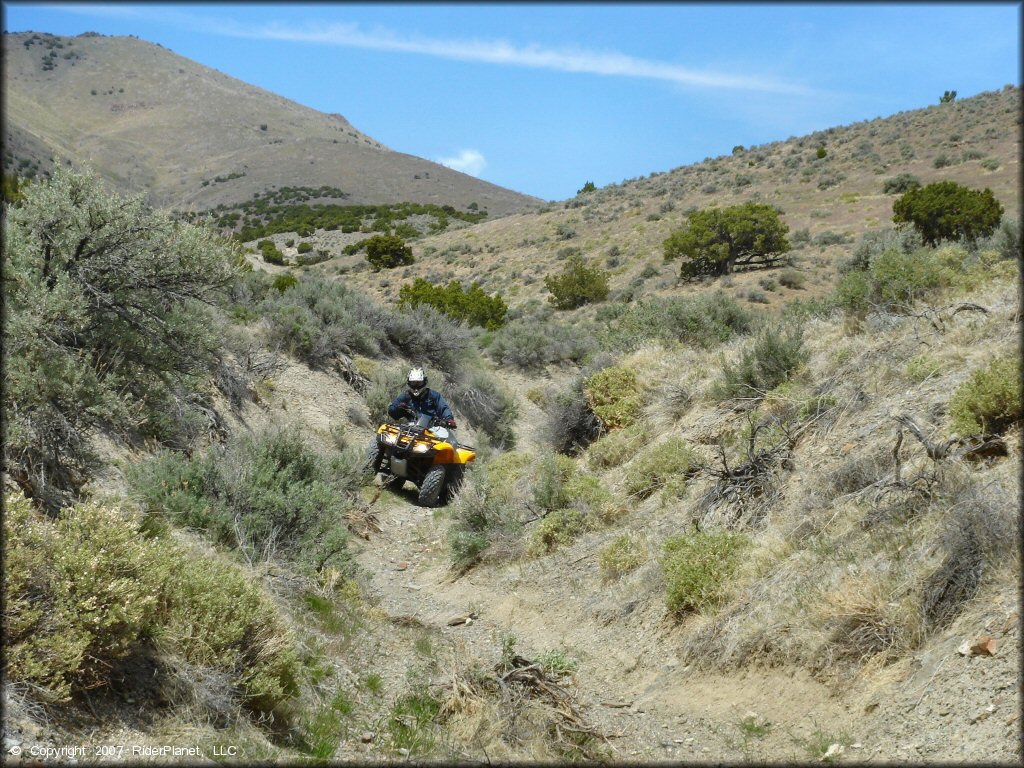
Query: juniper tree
x=716 y=241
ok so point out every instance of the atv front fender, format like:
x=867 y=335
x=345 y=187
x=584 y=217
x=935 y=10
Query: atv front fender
x=446 y=453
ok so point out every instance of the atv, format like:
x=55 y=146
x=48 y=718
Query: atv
x=423 y=453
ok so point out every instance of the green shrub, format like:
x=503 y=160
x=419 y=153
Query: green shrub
x=89 y=588
x=211 y=613
x=384 y=386
x=75 y=595
x=267 y=494
x=315 y=257
x=828 y=237
x=486 y=513
x=800 y=237
x=626 y=553
x=772 y=358
x=618 y=447
x=801 y=310
x=577 y=284
x=876 y=242
x=946 y=210
x=922 y=368
x=989 y=402
x=270 y=252
x=662 y=467
x=305 y=247
x=704 y=321
x=557 y=662
x=574 y=503
x=283 y=282
x=107 y=324
x=853 y=292
x=791 y=278
x=318 y=319
x=614 y=395
x=471 y=305
x=557 y=528
x=698 y=567
x=903 y=182
x=530 y=345
x=387 y=252
x=898 y=280
x=1007 y=240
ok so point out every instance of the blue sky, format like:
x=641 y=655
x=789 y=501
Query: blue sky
x=542 y=97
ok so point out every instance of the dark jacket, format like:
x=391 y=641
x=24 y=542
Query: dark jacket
x=429 y=402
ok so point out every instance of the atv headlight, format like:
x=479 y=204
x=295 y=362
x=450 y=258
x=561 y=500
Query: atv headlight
x=420 y=448
x=390 y=438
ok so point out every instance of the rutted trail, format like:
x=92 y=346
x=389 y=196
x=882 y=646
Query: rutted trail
x=628 y=683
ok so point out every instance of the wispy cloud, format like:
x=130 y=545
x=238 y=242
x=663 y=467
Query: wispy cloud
x=578 y=60
x=467 y=161
x=533 y=56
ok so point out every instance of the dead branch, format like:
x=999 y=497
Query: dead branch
x=896 y=453
x=360 y=520
x=346 y=368
x=970 y=446
x=936 y=451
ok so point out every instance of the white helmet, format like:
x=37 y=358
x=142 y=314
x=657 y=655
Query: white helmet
x=417 y=381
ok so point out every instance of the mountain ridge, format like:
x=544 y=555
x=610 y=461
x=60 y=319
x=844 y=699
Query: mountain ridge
x=150 y=120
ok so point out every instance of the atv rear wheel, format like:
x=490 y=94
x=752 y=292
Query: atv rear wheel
x=431 y=487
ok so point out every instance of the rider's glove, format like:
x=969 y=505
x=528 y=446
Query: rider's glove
x=450 y=423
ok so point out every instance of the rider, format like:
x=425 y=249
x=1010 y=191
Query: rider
x=419 y=399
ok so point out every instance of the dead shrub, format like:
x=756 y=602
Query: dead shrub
x=854 y=473
x=979 y=533
x=517 y=705
x=865 y=618
x=572 y=424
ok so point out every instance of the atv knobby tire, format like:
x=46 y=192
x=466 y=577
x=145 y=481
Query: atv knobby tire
x=374 y=455
x=431 y=487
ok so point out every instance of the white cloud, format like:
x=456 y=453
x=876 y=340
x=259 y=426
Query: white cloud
x=604 y=63
x=500 y=52
x=467 y=161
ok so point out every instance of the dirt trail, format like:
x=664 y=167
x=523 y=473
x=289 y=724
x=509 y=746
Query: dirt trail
x=628 y=682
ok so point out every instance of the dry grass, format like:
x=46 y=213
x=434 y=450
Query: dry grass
x=860 y=559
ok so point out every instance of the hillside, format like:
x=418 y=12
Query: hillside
x=192 y=138
x=828 y=203
x=704 y=523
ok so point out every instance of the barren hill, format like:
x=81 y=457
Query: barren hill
x=191 y=137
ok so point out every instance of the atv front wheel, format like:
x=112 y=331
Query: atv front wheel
x=374 y=457
x=433 y=484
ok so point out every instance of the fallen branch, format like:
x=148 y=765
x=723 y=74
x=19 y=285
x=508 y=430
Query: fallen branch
x=360 y=520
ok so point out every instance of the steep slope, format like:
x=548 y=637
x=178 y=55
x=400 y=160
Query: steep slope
x=191 y=137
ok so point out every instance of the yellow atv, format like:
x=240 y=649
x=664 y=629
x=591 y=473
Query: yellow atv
x=422 y=453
